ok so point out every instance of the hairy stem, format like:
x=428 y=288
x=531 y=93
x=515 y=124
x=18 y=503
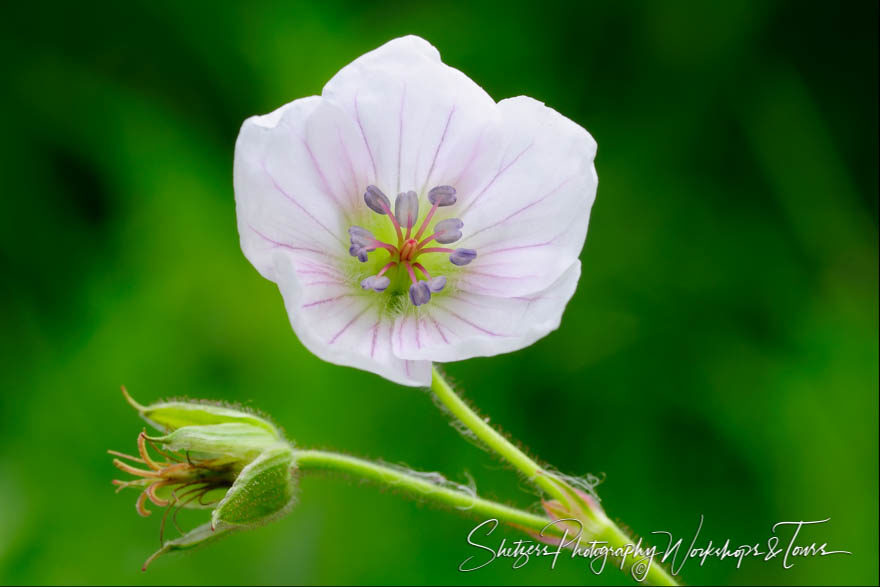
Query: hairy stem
x=495 y=441
x=307 y=460
x=606 y=530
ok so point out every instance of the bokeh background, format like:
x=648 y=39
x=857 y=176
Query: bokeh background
x=718 y=359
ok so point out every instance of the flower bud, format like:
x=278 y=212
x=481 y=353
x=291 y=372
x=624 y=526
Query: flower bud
x=212 y=457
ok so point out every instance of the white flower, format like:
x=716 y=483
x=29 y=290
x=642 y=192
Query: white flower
x=349 y=202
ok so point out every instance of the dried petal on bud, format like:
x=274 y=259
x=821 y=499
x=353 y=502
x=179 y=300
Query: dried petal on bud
x=169 y=416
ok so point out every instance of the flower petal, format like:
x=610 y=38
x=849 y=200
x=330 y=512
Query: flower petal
x=299 y=174
x=421 y=120
x=342 y=324
x=528 y=218
x=461 y=325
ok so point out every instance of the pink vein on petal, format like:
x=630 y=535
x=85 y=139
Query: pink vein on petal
x=297 y=204
x=320 y=171
x=521 y=210
x=439 y=330
x=326 y=300
x=473 y=157
x=357 y=115
x=400 y=331
x=400 y=135
x=492 y=181
x=288 y=246
x=349 y=323
x=516 y=248
x=494 y=276
x=355 y=187
x=418 y=340
x=375 y=335
x=469 y=323
x=321 y=273
x=439 y=146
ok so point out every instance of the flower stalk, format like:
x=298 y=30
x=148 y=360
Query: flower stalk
x=316 y=460
x=568 y=501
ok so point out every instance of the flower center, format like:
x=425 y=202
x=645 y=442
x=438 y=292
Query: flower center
x=408 y=250
x=409 y=247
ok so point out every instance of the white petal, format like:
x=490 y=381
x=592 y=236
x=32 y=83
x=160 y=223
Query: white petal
x=299 y=174
x=528 y=218
x=341 y=324
x=421 y=120
x=460 y=325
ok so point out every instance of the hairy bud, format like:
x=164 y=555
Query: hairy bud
x=214 y=457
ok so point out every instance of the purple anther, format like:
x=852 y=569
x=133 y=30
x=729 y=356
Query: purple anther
x=442 y=195
x=359 y=252
x=376 y=283
x=436 y=284
x=406 y=208
x=361 y=237
x=448 y=231
x=376 y=200
x=419 y=293
x=462 y=256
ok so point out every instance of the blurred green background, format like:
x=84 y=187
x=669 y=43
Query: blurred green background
x=719 y=357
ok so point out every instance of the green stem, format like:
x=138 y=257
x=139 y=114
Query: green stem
x=608 y=531
x=493 y=439
x=398 y=479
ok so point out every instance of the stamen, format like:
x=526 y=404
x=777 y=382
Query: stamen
x=426 y=221
x=442 y=195
x=363 y=241
x=406 y=209
x=419 y=293
x=446 y=231
x=408 y=249
x=359 y=252
x=437 y=284
x=360 y=236
x=412 y=275
x=379 y=203
x=421 y=268
x=462 y=256
x=439 y=196
x=377 y=283
x=376 y=201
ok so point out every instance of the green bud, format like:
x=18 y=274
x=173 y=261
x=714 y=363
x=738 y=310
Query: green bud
x=231 y=440
x=263 y=491
x=169 y=416
x=211 y=457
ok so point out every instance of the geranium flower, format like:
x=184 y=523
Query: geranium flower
x=408 y=218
